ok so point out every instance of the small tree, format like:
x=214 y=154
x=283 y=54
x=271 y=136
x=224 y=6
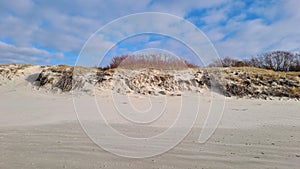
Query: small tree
x=228 y=62
x=295 y=65
x=116 y=61
x=278 y=60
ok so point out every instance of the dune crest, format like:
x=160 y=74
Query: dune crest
x=241 y=82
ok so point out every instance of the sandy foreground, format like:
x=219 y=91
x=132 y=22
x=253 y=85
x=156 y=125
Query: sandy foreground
x=41 y=130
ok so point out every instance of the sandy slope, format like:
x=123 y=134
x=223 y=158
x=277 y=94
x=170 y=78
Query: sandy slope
x=40 y=130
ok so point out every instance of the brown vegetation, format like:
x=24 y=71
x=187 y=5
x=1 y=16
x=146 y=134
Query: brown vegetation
x=276 y=60
x=11 y=70
x=158 y=61
x=234 y=81
x=231 y=81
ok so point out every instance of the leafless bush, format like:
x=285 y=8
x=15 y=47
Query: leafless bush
x=278 y=60
x=295 y=66
x=116 y=61
x=275 y=60
x=228 y=62
x=150 y=60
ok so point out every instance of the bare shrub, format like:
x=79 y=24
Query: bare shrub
x=116 y=61
x=275 y=60
x=160 y=61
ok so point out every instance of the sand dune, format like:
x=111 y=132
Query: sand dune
x=39 y=129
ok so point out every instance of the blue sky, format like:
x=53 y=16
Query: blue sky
x=53 y=32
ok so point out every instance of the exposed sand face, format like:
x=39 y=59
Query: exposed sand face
x=41 y=130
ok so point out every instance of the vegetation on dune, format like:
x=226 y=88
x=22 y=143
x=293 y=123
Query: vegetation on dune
x=159 y=61
x=11 y=70
x=261 y=83
x=275 y=60
x=231 y=81
x=274 y=74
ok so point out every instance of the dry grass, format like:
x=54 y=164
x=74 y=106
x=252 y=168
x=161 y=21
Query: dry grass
x=60 y=68
x=256 y=80
x=15 y=66
x=236 y=81
x=265 y=74
x=11 y=70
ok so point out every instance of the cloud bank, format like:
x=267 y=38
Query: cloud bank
x=53 y=32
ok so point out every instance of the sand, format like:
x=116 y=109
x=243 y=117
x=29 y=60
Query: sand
x=39 y=129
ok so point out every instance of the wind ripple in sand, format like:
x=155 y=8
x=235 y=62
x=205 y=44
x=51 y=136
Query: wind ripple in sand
x=66 y=146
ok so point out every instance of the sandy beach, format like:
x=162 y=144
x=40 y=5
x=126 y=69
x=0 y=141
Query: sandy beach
x=150 y=84
x=39 y=129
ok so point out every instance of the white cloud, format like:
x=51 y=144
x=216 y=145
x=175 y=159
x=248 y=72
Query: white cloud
x=30 y=55
x=65 y=25
x=60 y=25
x=181 y=7
x=274 y=27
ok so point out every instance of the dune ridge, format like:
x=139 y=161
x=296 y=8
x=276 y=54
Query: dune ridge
x=240 y=82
